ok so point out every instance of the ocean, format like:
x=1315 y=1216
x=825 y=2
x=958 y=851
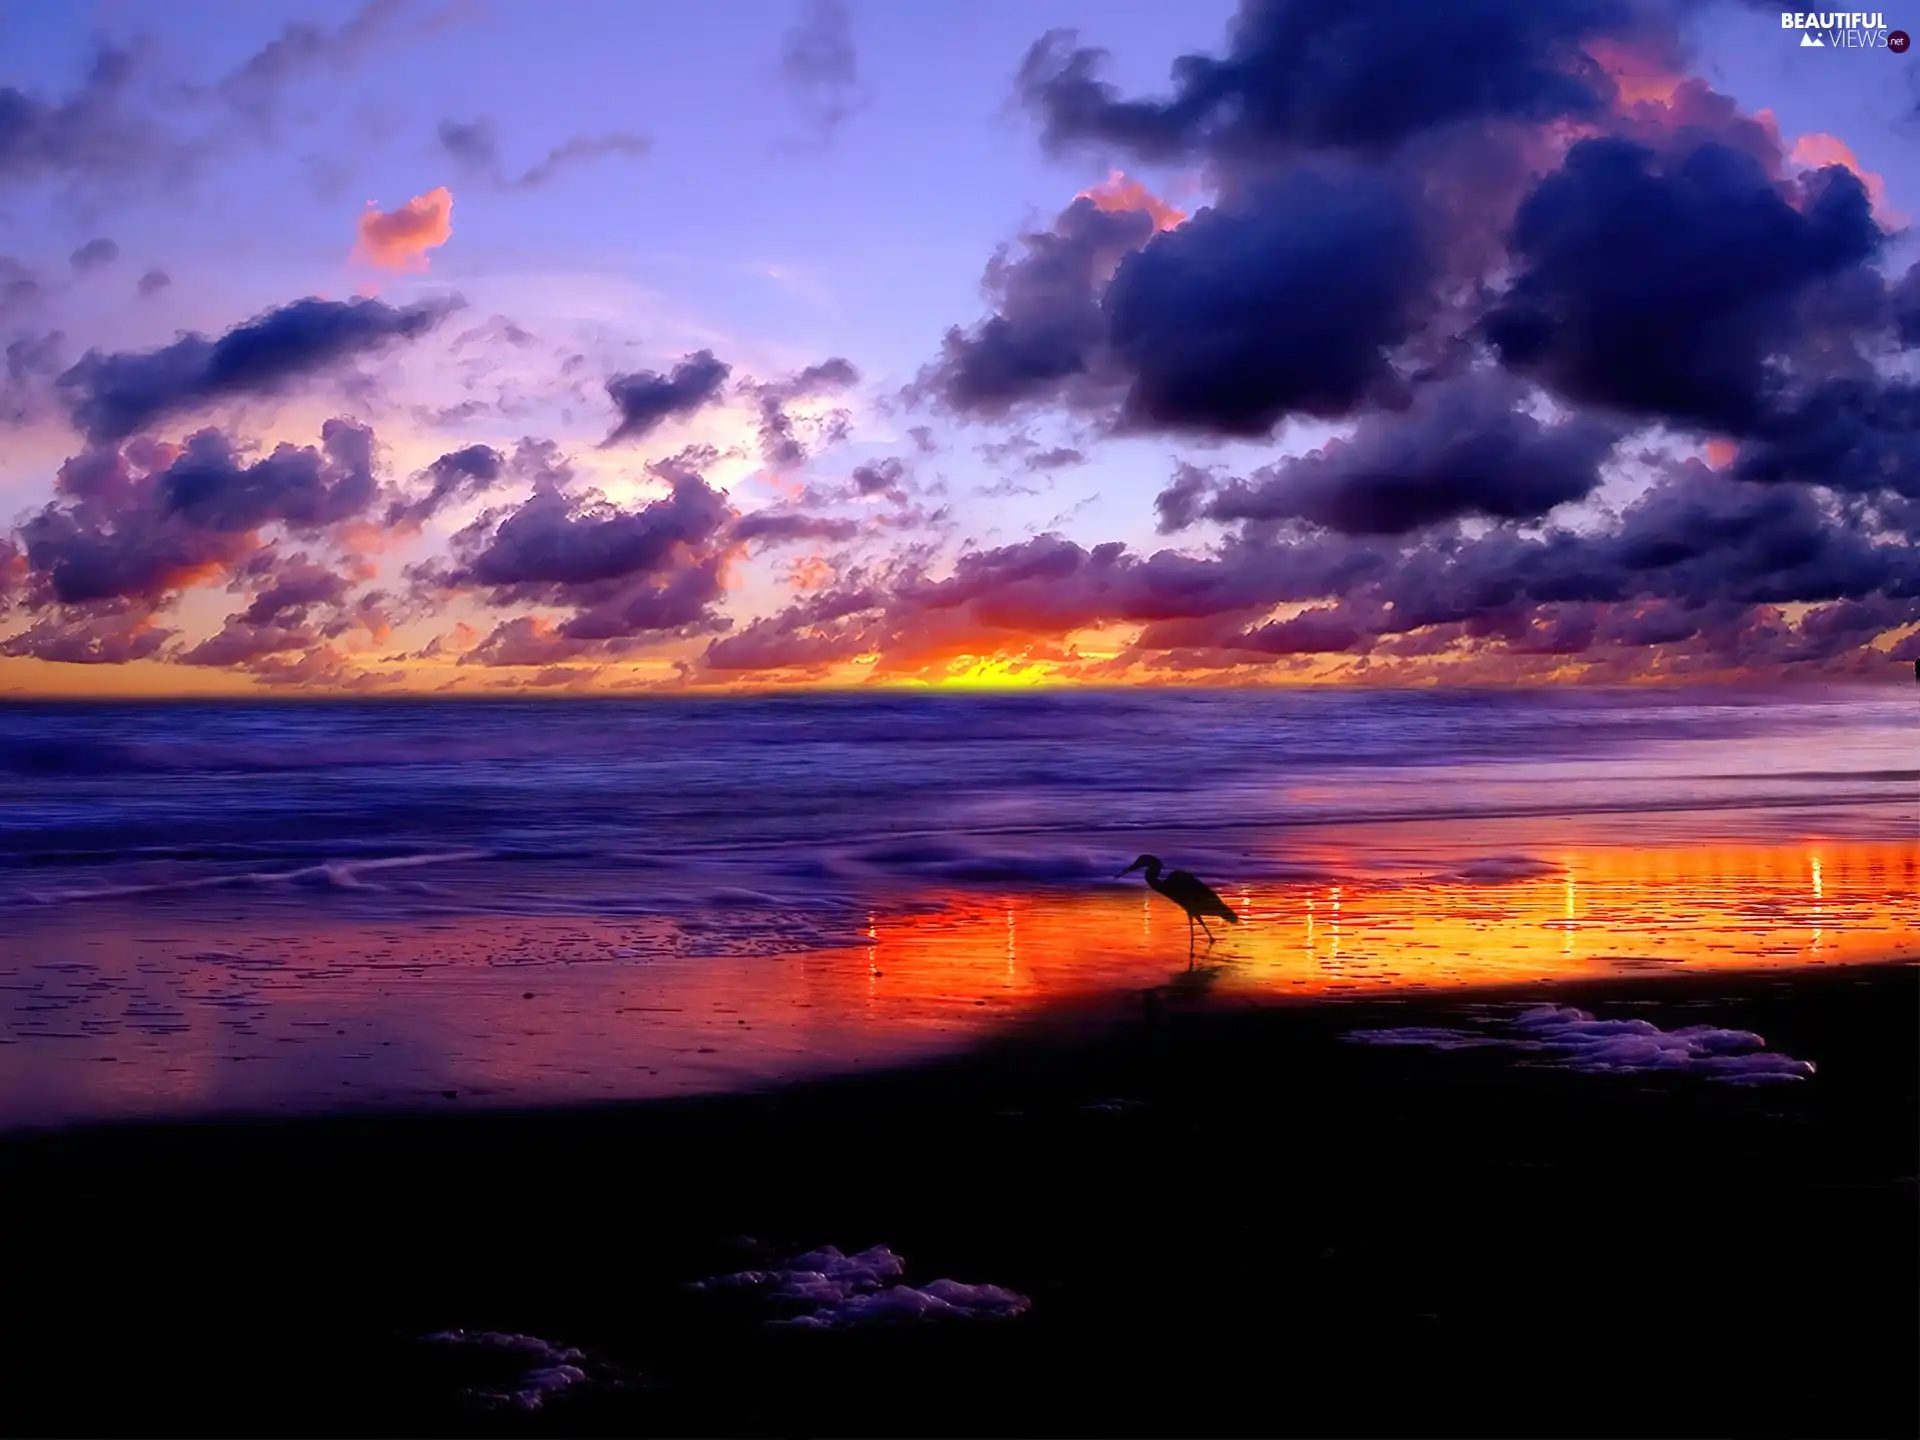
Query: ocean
x=245 y=907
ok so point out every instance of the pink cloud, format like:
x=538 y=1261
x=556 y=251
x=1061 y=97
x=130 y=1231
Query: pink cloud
x=399 y=239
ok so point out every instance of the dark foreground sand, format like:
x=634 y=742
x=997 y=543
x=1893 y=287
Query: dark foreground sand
x=1280 y=1234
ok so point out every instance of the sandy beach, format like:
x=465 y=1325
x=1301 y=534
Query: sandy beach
x=1226 y=1218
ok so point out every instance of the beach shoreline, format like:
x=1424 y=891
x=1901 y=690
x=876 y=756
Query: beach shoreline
x=1228 y=1219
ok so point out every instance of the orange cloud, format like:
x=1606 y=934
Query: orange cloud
x=1721 y=453
x=1817 y=150
x=399 y=239
x=1120 y=192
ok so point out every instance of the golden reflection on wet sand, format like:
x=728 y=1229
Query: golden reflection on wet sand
x=153 y=1017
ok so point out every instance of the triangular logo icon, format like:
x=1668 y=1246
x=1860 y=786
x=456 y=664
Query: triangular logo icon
x=1810 y=42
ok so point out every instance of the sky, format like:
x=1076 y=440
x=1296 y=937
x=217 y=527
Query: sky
x=482 y=346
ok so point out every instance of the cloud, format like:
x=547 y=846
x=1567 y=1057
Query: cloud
x=647 y=399
x=821 y=67
x=112 y=395
x=256 y=85
x=475 y=146
x=1119 y=192
x=293 y=587
x=1465 y=448
x=1289 y=300
x=237 y=645
x=1184 y=502
x=779 y=527
x=109 y=637
x=140 y=522
x=399 y=239
x=780 y=445
x=629 y=576
x=92 y=134
x=1288 y=305
x=1048 y=333
x=1692 y=329
x=153 y=282
x=880 y=477
x=457 y=475
x=19 y=291
x=93 y=255
x=1688 y=580
x=1325 y=75
x=211 y=487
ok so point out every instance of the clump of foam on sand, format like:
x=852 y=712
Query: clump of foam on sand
x=827 y=1289
x=1601 y=1047
x=521 y=1372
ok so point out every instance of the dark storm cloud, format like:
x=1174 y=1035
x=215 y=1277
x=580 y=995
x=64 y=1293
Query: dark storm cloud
x=1332 y=75
x=110 y=396
x=647 y=399
x=153 y=282
x=1463 y=449
x=781 y=527
x=1693 y=328
x=475 y=146
x=1289 y=305
x=1289 y=299
x=1047 y=329
x=1854 y=435
x=821 y=66
x=96 y=253
x=457 y=475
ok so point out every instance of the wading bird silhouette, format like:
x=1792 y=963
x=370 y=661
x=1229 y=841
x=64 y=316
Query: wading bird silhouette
x=1189 y=893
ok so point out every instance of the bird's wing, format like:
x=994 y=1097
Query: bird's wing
x=1197 y=895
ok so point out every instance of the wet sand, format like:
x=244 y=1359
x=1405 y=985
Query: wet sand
x=273 y=1001
x=1228 y=1218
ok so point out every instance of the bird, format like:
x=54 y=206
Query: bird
x=1185 y=890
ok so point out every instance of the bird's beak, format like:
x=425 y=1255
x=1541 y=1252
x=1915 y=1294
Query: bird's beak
x=1124 y=873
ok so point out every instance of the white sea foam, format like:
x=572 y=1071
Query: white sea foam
x=826 y=1289
x=538 y=1370
x=1579 y=1041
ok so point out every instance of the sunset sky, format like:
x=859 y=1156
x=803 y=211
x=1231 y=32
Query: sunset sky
x=616 y=344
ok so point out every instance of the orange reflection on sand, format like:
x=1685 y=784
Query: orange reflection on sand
x=1601 y=912
x=147 y=1018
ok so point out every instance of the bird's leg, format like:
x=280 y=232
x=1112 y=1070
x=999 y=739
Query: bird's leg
x=1208 y=928
x=1190 y=937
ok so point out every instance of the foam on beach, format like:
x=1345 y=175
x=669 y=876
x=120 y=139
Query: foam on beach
x=524 y=1372
x=1579 y=1041
x=825 y=1289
